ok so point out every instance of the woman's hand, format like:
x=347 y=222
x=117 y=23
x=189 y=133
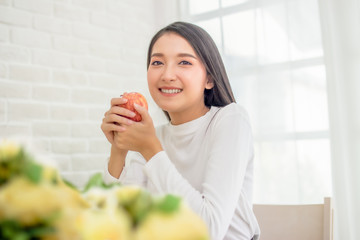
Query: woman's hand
x=139 y=136
x=115 y=119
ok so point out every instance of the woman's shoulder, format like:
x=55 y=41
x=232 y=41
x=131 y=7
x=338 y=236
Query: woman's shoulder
x=229 y=119
x=233 y=110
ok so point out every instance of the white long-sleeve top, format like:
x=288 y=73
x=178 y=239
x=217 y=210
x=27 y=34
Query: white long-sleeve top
x=209 y=163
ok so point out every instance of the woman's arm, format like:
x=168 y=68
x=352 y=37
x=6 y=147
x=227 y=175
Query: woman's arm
x=126 y=135
x=131 y=173
x=116 y=161
x=114 y=122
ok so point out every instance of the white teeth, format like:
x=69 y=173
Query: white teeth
x=171 y=90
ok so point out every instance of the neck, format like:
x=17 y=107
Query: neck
x=180 y=118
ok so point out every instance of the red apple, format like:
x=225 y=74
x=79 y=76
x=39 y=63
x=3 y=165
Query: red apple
x=134 y=97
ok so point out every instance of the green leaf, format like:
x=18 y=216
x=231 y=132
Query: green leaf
x=21 y=236
x=33 y=171
x=141 y=206
x=69 y=184
x=169 y=204
x=97 y=181
x=41 y=231
x=13 y=230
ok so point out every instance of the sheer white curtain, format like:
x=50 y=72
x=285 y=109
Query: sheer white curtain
x=295 y=66
x=341 y=37
x=274 y=56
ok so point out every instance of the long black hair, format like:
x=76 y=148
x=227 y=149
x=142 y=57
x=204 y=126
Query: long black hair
x=221 y=94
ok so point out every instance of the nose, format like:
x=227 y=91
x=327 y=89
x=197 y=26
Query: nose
x=169 y=73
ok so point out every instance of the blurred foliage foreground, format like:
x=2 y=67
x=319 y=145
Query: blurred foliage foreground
x=36 y=203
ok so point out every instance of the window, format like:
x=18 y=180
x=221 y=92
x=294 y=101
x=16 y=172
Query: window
x=272 y=50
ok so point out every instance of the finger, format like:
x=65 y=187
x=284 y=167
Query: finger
x=118 y=101
x=142 y=111
x=115 y=118
x=122 y=111
x=111 y=127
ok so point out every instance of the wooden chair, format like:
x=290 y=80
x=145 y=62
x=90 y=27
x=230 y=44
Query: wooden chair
x=295 y=222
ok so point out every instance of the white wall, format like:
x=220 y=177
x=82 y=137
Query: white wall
x=166 y=12
x=61 y=61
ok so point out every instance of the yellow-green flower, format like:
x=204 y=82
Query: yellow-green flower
x=136 y=201
x=31 y=203
x=34 y=199
x=96 y=224
x=65 y=225
x=99 y=198
x=8 y=150
x=126 y=194
x=182 y=224
x=105 y=219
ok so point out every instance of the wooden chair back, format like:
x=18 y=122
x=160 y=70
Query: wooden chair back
x=295 y=222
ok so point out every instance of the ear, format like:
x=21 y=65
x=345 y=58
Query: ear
x=209 y=84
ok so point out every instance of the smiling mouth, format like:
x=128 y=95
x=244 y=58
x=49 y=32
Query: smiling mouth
x=170 y=91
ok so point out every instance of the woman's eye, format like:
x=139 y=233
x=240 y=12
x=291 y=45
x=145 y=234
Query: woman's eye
x=156 y=63
x=185 y=63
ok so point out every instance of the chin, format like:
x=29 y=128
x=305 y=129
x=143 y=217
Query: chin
x=167 y=107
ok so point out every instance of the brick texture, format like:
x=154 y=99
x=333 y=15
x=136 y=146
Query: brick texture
x=61 y=62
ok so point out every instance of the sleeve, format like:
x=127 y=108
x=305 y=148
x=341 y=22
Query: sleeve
x=229 y=152
x=132 y=173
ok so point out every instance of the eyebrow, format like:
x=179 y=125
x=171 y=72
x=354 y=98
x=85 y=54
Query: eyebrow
x=179 y=55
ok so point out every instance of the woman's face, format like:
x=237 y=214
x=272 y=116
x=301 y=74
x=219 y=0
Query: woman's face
x=177 y=78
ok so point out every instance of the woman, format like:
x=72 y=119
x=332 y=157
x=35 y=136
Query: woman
x=205 y=152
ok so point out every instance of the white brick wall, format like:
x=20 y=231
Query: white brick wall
x=61 y=61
